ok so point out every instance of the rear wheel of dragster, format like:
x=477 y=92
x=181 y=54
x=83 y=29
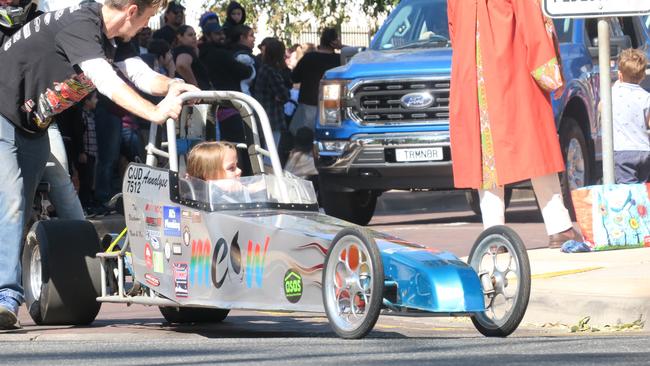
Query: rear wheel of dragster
x=501 y=262
x=178 y=315
x=353 y=283
x=61 y=275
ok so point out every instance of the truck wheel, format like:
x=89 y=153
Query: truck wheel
x=356 y=207
x=474 y=201
x=353 y=283
x=576 y=156
x=499 y=258
x=61 y=275
x=177 y=315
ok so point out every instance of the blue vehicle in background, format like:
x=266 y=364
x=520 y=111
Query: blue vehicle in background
x=384 y=116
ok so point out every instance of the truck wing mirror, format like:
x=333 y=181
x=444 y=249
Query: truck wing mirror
x=616 y=45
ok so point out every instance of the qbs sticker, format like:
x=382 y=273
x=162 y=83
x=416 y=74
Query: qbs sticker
x=292 y=286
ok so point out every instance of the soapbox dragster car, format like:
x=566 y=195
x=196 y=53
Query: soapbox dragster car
x=198 y=249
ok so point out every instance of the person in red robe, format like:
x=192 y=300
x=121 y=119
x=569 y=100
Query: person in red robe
x=504 y=65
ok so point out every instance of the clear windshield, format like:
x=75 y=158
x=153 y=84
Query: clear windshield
x=419 y=24
x=254 y=189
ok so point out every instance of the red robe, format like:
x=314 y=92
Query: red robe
x=519 y=58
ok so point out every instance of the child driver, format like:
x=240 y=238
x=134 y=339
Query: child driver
x=213 y=160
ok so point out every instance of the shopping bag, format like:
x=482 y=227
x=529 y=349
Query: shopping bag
x=613 y=216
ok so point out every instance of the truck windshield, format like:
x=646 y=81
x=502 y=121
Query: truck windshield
x=418 y=24
x=564 y=29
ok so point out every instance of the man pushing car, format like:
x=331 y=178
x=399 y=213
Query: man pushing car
x=50 y=64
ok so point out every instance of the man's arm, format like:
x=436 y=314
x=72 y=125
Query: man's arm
x=144 y=78
x=100 y=72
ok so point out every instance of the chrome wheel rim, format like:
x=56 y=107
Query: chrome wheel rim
x=35 y=274
x=575 y=165
x=348 y=283
x=499 y=271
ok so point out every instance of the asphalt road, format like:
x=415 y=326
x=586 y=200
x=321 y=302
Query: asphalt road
x=383 y=347
x=137 y=335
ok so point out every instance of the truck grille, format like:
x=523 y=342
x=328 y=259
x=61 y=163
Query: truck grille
x=382 y=102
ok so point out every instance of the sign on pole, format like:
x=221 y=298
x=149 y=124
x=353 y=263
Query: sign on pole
x=595 y=8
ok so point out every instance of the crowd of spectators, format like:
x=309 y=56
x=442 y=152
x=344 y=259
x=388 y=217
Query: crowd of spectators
x=216 y=56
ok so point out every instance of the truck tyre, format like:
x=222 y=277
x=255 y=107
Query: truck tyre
x=474 y=201
x=576 y=157
x=61 y=274
x=356 y=207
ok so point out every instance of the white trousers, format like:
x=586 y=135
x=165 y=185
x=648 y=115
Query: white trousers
x=549 y=197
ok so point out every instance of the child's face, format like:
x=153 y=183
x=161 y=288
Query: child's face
x=236 y=15
x=229 y=169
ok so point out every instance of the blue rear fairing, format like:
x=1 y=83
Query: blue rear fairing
x=431 y=281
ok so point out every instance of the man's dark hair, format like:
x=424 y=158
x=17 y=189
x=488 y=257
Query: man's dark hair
x=182 y=29
x=328 y=36
x=158 y=47
x=166 y=33
x=235 y=33
x=142 y=4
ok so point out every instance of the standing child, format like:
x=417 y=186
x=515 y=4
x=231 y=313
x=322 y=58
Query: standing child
x=631 y=112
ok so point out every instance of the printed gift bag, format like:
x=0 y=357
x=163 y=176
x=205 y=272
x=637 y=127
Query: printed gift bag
x=613 y=216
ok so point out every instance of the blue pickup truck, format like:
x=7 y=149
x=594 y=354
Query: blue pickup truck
x=384 y=116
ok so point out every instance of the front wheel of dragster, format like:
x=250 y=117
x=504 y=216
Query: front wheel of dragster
x=501 y=262
x=61 y=274
x=353 y=283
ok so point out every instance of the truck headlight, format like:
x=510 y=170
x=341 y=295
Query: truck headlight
x=330 y=106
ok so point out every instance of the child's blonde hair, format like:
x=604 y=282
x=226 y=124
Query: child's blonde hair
x=207 y=158
x=632 y=64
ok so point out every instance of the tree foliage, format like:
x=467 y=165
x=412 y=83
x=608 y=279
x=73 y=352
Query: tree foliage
x=285 y=15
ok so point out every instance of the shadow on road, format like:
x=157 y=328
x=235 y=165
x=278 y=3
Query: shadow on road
x=518 y=212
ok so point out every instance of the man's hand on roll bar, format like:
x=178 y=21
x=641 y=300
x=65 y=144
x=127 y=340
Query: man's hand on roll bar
x=171 y=105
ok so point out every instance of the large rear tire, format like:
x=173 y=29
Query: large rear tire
x=178 y=315
x=61 y=275
x=353 y=283
x=499 y=258
x=357 y=207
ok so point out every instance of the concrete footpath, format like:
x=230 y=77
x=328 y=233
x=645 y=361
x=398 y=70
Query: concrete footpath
x=611 y=287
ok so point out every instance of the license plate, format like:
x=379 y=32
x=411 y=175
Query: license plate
x=419 y=154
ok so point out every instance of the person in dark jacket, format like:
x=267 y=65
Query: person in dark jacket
x=224 y=71
x=308 y=72
x=235 y=15
x=241 y=41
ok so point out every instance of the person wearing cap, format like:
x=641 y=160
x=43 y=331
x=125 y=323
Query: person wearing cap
x=209 y=18
x=225 y=73
x=174 y=17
